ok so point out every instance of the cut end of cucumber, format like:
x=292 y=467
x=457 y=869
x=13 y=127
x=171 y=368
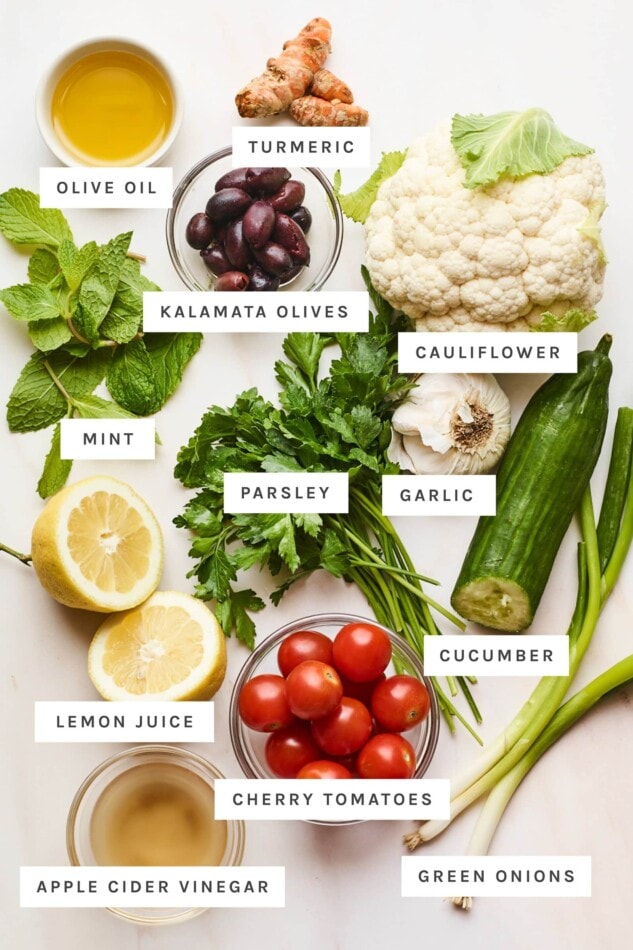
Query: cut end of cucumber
x=494 y=602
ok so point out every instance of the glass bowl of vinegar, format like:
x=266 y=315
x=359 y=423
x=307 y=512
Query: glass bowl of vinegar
x=152 y=806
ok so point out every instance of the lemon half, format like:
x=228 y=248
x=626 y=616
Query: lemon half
x=98 y=545
x=170 y=648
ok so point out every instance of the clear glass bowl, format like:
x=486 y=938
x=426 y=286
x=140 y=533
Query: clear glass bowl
x=248 y=745
x=190 y=197
x=79 y=818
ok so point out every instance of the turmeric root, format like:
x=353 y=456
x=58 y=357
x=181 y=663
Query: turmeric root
x=289 y=75
x=326 y=85
x=310 y=110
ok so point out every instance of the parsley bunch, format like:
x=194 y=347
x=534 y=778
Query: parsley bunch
x=83 y=308
x=339 y=423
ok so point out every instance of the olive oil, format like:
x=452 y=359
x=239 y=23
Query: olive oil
x=112 y=108
x=157 y=814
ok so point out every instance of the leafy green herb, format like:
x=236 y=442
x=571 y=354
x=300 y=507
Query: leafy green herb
x=357 y=204
x=83 y=307
x=339 y=422
x=510 y=145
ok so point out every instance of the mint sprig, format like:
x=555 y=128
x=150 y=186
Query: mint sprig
x=83 y=309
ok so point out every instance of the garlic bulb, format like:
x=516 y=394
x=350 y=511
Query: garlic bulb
x=451 y=425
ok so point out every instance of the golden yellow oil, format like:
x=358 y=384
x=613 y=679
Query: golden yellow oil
x=112 y=108
x=157 y=814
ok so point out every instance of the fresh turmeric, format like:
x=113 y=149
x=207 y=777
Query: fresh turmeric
x=288 y=76
x=310 y=110
x=326 y=85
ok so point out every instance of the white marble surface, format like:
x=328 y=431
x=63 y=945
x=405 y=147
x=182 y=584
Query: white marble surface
x=410 y=65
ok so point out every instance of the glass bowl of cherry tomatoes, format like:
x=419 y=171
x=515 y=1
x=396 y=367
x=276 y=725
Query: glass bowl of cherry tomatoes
x=334 y=696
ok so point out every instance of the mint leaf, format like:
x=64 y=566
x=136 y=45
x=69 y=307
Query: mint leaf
x=76 y=262
x=43 y=267
x=94 y=407
x=510 y=145
x=30 y=302
x=169 y=354
x=99 y=287
x=24 y=222
x=357 y=204
x=132 y=381
x=56 y=470
x=572 y=321
x=48 y=335
x=124 y=318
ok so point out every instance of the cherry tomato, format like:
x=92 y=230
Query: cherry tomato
x=313 y=689
x=324 y=768
x=361 y=652
x=263 y=704
x=303 y=645
x=288 y=750
x=361 y=691
x=386 y=756
x=345 y=729
x=400 y=703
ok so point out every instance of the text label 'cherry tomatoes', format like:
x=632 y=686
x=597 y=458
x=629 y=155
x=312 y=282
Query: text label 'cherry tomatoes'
x=263 y=704
x=361 y=652
x=400 y=703
x=313 y=689
x=303 y=645
x=386 y=755
x=345 y=729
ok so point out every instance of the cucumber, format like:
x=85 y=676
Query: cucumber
x=543 y=474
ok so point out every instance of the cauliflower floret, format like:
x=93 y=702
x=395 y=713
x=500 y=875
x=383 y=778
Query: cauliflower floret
x=495 y=258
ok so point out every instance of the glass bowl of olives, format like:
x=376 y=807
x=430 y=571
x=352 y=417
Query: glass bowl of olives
x=253 y=228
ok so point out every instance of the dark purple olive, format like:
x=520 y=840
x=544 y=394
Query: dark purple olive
x=215 y=259
x=274 y=258
x=235 y=247
x=228 y=203
x=265 y=181
x=259 y=222
x=303 y=218
x=288 y=233
x=260 y=280
x=236 y=178
x=291 y=274
x=199 y=233
x=289 y=196
x=232 y=280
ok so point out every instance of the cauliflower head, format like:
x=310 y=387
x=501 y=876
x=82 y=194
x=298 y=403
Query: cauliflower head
x=494 y=258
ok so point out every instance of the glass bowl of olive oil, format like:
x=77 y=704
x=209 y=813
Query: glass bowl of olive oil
x=152 y=806
x=109 y=102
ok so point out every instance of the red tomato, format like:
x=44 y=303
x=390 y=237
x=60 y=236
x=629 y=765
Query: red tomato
x=386 y=756
x=361 y=691
x=324 y=768
x=303 y=645
x=400 y=703
x=361 y=652
x=263 y=704
x=345 y=729
x=288 y=750
x=313 y=689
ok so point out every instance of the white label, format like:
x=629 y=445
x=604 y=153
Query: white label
x=108 y=439
x=152 y=887
x=286 y=492
x=224 y=312
x=106 y=187
x=496 y=655
x=492 y=876
x=124 y=722
x=332 y=799
x=429 y=495
x=487 y=352
x=295 y=146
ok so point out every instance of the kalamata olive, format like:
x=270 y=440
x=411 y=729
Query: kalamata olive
x=232 y=280
x=215 y=259
x=288 y=233
x=303 y=218
x=260 y=280
x=259 y=222
x=199 y=231
x=236 y=178
x=289 y=275
x=265 y=181
x=273 y=258
x=289 y=196
x=228 y=203
x=235 y=247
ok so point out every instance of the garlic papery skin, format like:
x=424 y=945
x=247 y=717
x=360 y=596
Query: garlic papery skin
x=451 y=424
